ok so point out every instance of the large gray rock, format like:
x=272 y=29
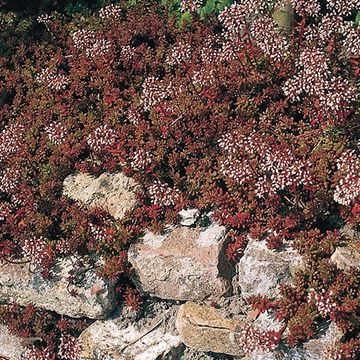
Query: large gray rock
x=204 y=329
x=23 y=285
x=115 y=193
x=153 y=337
x=261 y=270
x=183 y=264
x=11 y=346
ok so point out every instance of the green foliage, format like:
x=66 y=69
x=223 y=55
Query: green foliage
x=357 y=19
x=213 y=6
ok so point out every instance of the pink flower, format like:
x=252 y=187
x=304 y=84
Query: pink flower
x=101 y=138
x=70 y=348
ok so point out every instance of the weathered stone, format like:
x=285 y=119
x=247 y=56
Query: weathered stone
x=202 y=328
x=189 y=217
x=119 y=339
x=114 y=193
x=21 y=284
x=347 y=256
x=311 y=350
x=11 y=346
x=183 y=264
x=261 y=270
x=350 y=232
x=315 y=347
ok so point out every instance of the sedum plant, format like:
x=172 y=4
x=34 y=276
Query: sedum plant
x=250 y=110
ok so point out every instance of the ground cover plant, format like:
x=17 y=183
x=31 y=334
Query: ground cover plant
x=249 y=109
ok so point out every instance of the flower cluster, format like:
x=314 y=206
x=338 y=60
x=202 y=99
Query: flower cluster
x=127 y=52
x=163 y=195
x=340 y=351
x=348 y=187
x=343 y=7
x=204 y=77
x=266 y=36
x=10 y=180
x=190 y=5
x=52 y=79
x=236 y=143
x=101 y=138
x=210 y=50
x=5 y=210
x=38 y=354
x=44 y=19
x=141 y=160
x=252 y=339
x=100 y=234
x=70 y=348
x=340 y=93
x=324 y=302
x=91 y=43
x=351 y=41
x=312 y=77
x=321 y=33
x=35 y=249
x=83 y=38
x=133 y=115
x=56 y=132
x=179 y=54
x=285 y=169
x=10 y=140
x=111 y=11
x=99 y=48
x=333 y=27
x=154 y=91
x=310 y=8
x=251 y=159
x=233 y=18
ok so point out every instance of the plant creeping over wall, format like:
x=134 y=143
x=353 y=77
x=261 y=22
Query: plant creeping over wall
x=249 y=109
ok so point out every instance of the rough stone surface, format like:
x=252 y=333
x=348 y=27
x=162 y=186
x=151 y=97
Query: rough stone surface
x=261 y=270
x=315 y=347
x=114 y=193
x=311 y=350
x=23 y=285
x=11 y=346
x=150 y=338
x=347 y=256
x=202 y=328
x=191 y=354
x=183 y=264
x=188 y=217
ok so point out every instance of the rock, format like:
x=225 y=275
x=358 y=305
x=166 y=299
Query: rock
x=191 y=354
x=285 y=354
x=114 y=193
x=11 y=346
x=23 y=285
x=315 y=347
x=350 y=232
x=183 y=264
x=347 y=256
x=261 y=270
x=151 y=338
x=311 y=350
x=202 y=328
x=189 y=217
x=267 y=322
